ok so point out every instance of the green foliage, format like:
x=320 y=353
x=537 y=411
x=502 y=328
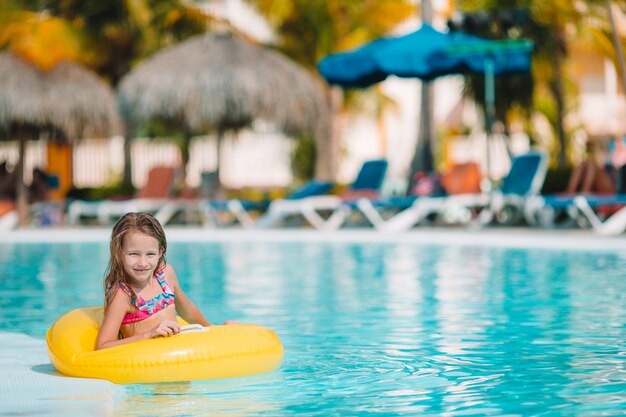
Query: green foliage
x=309 y=30
x=512 y=91
x=112 y=35
x=554 y=25
x=159 y=129
x=112 y=191
x=303 y=158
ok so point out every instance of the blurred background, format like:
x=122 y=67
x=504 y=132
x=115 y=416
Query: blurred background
x=118 y=100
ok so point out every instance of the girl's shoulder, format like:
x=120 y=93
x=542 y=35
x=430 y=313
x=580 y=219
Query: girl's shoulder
x=122 y=287
x=123 y=298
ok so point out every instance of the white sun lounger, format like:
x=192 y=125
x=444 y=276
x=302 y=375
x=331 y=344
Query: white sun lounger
x=612 y=226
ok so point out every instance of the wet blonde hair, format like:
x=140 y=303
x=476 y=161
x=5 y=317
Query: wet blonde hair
x=129 y=223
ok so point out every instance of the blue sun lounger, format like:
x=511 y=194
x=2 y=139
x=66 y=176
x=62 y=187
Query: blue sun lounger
x=368 y=181
x=525 y=178
x=240 y=209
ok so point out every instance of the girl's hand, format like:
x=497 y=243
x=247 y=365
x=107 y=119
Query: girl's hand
x=165 y=328
x=231 y=322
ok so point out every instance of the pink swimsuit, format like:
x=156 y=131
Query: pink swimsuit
x=146 y=308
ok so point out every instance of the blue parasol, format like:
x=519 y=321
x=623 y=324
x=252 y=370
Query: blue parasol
x=426 y=54
x=356 y=68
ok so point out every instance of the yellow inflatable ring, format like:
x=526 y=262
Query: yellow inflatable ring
x=221 y=352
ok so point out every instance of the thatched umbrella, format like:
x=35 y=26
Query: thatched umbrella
x=222 y=82
x=67 y=103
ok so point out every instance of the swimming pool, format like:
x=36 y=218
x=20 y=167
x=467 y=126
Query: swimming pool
x=371 y=328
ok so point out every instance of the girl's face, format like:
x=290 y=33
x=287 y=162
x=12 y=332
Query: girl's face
x=140 y=254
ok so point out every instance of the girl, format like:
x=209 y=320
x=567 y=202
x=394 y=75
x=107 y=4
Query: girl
x=140 y=287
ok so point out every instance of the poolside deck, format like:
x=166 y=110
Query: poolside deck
x=29 y=384
x=581 y=239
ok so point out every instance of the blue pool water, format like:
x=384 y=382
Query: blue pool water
x=371 y=329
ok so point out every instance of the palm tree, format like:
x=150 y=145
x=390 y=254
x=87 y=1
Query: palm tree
x=308 y=30
x=517 y=91
x=617 y=42
x=548 y=24
x=114 y=34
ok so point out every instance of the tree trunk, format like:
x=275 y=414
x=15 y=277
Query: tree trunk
x=219 y=190
x=556 y=85
x=184 y=160
x=327 y=142
x=22 y=191
x=127 y=181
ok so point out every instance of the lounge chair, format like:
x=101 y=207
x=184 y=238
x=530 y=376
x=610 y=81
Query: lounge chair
x=462 y=178
x=546 y=210
x=525 y=178
x=615 y=224
x=367 y=183
x=8 y=215
x=240 y=209
x=152 y=197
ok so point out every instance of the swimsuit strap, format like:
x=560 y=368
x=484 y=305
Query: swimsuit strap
x=160 y=277
x=138 y=301
x=146 y=308
x=129 y=292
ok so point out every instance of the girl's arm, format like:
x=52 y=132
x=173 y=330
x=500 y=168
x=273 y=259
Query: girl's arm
x=113 y=315
x=109 y=331
x=184 y=306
